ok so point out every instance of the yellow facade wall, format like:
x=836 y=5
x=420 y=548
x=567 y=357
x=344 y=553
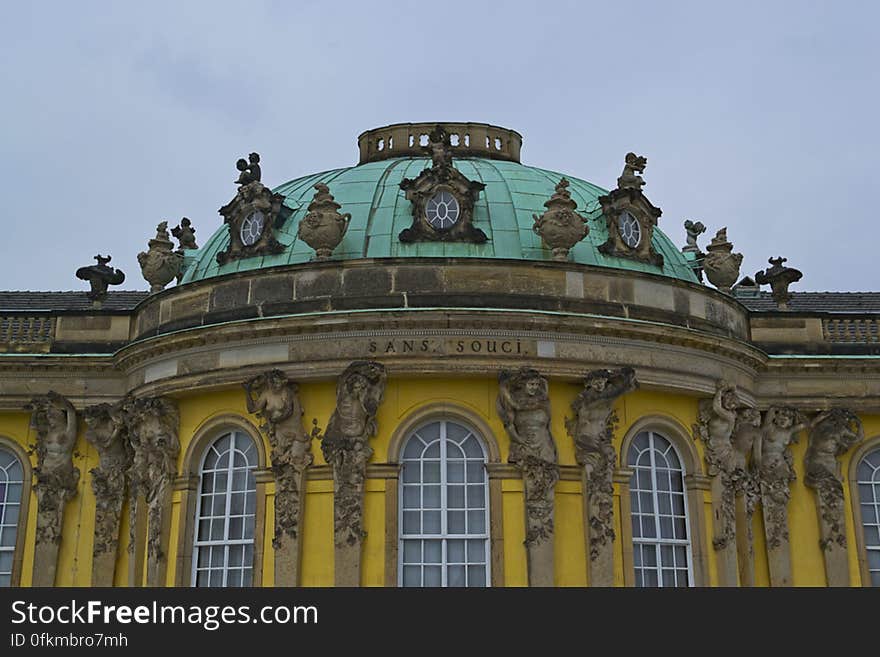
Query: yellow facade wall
x=404 y=397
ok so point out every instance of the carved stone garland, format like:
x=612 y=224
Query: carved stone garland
x=446 y=188
x=345 y=446
x=152 y=425
x=524 y=407
x=625 y=204
x=54 y=420
x=832 y=434
x=274 y=399
x=592 y=429
x=106 y=431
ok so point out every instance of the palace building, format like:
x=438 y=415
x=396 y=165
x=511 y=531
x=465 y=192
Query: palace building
x=440 y=367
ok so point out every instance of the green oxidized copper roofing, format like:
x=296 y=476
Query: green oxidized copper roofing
x=379 y=211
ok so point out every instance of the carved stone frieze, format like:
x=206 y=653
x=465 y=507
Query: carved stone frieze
x=561 y=227
x=832 y=434
x=160 y=264
x=345 y=446
x=442 y=198
x=524 y=407
x=720 y=264
x=54 y=420
x=251 y=216
x=630 y=217
x=323 y=227
x=106 y=431
x=592 y=429
x=275 y=400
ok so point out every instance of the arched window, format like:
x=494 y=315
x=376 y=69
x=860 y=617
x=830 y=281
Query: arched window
x=444 y=508
x=223 y=549
x=661 y=538
x=11 y=484
x=868 y=477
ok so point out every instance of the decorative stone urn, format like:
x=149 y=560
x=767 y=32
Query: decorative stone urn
x=722 y=266
x=160 y=263
x=560 y=226
x=779 y=277
x=323 y=227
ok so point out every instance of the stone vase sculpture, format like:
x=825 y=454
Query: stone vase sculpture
x=560 y=226
x=323 y=227
x=160 y=264
x=720 y=264
x=779 y=277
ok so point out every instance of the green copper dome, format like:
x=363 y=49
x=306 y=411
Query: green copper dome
x=379 y=211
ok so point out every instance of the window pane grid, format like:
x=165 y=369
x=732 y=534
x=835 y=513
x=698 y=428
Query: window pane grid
x=868 y=481
x=444 y=530
x=223 y=543
x=659 y=513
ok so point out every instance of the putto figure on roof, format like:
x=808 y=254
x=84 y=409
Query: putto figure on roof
x=250 y=169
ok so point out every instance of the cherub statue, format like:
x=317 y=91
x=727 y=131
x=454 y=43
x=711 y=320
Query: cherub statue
x=440 y=147
x=185 y=234
x=693 y=229
x=628 y=179
x=250 y=169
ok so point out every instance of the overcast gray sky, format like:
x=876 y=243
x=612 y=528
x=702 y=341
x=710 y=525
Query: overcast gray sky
x=758 y=116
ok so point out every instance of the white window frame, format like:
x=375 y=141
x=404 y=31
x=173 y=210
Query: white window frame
x=17 y=525
x=225 y=542
x=658 y=541
x=874 y=483
x=444 y=536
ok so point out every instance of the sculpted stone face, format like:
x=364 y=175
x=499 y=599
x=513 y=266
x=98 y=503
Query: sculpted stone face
x=534 y=387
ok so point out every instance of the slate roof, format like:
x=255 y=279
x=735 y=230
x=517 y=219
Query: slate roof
x=71 y=300
x=818 y=302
